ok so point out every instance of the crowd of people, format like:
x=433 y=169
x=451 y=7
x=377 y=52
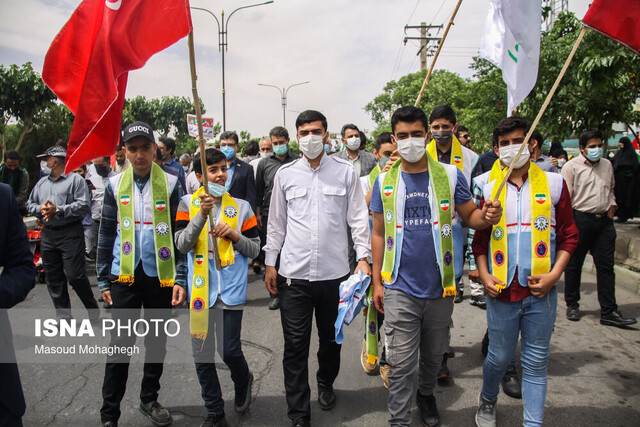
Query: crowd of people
x=409 y=215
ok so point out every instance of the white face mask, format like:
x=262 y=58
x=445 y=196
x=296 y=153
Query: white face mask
x=508 y=153
x=311 y=145
x=561 y=162
x=353 y=143
x=263 y=154
x=45 y=168
x=412 y=149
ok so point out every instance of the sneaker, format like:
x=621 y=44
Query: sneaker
x=511 y=383
x=110 y=423
x=429 y=415
x=242 y=398
x=486 y=413
x=443 y=373
x=479 y=301
x=616 y=319
x=459 y=297
x=369 y=369
x=573 y=313
x=215 y=421
x=384 y=374
x=274 y=303
x=158 y=414
x=256 y=267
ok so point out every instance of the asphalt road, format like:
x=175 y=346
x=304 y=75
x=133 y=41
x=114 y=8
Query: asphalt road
x=594 y=375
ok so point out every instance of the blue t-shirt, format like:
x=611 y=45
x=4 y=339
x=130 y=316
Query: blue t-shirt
x=418 y=272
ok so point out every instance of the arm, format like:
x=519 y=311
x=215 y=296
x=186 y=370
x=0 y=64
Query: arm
x=479 y=219
x=358 y=217
x=568 y=175
x=106 y=239
x=481 y=252
x=181 y=266
x=276 y=232
x=33 y=203
x=377 y=252
x=612 y=198
x=249 y=242
x=24 y=189
x=187 y=230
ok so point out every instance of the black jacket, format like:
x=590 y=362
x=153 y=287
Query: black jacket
x=243 y=184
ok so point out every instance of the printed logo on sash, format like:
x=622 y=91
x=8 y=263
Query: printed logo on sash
x=198 y=282
x=199 y=259
x=498 y=233
x=161 y=205
x=498 y=258
x=124 y=200
x=457 y=159
x=446 y=231
x=541 y=198
x=196 y=202
x=372 y=327
x=127 y=247
x=230 y=212
x=389 y=243
x=541 y=249
x=444 y=204
x=388 y=215
x=164 y=253
x=126 y=223
x=198 y=304
x=388 y=190
x=447 y=258
x=541 y=223
x=162 y=228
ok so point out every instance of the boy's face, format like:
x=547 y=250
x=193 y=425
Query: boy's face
x=406 y=130
x=443 y=124
x=385 y=150
x=216 y=172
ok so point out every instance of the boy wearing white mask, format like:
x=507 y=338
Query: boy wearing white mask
x=361 y=160
x=520 y=260
x=314 y=201
x=415 y=206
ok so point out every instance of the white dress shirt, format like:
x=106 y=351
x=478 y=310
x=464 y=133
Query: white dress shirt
x=308 y=217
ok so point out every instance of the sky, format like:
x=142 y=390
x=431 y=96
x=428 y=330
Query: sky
x=347 y=50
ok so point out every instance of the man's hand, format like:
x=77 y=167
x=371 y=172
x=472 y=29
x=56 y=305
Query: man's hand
x=106 y=296
x=554 y=161
x=179 y=295
x=48 y=210
x=224 y=230
x=612 y=211
x=364 y=267
x=541 y=284
x=270 y=279
x=206 y=204
x=492 y=211
x=378 y=297
x=489 y=281
x=474 y=276
x=394 y=156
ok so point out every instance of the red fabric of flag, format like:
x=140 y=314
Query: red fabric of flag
x=88 y=63
x=616 y=19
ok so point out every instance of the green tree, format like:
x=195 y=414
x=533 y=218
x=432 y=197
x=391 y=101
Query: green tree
x=23 y=97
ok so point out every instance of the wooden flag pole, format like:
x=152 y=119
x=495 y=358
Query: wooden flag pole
x=203 y=161
x=541 y=112
x=435 y=58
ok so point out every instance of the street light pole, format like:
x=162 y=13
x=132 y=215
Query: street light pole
x=223 y=26
x=283 y=95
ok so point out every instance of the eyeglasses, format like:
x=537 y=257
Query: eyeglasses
x=465 y=136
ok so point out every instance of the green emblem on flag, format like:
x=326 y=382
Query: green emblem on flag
x=198 y=282
x=196 y=203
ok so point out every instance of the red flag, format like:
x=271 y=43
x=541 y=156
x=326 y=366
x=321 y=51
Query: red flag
x=88 y=63
x=616 y=19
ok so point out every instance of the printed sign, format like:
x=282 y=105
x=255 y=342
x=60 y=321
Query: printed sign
x=207 y=126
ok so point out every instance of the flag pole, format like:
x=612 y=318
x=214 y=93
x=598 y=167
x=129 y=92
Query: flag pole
x=203 y=161
x=435 y=58
x=542 y=110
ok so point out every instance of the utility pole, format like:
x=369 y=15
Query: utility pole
x=425 y=38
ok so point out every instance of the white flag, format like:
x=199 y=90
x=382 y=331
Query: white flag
x=511 y=41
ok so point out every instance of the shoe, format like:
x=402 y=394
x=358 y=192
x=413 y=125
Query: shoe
x=479 y=301
x=301 y=422
x=616 y=319
x=369 y=369
x=106 y=305
x=158 y=414
x=511 y=383
x=326 y=397
x=443 y=372
x=215 y=421
x=573 y=314
x=257 y=268
x=459 y=297
x=110 y=424
x=384 y=374
x=486 y=413
x=242 y=398
x=429 y=415
x=274 y=303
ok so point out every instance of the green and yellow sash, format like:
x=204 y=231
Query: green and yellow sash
x=373 y=175
x=199 y=319
x=162 y=236
x=540 y=201
x=456 y=152
x=439 y=179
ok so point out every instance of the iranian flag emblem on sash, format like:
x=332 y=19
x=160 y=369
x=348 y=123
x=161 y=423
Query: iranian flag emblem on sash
x=125 y=200
x=444 y=205
x=457 y=159
x=541 y=198
x=161 y=205
x=388 y=190
x=199 y=259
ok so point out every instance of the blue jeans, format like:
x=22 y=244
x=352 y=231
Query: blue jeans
x=534 y=318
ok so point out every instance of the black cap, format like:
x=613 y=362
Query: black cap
x=55 y=151
x=138 y=129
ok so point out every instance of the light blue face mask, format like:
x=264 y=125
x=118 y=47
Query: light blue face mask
x=594 y=154
x=229 y=152
x=327 y=148
x=280 y=150
x=216 y=190
x=383 y=162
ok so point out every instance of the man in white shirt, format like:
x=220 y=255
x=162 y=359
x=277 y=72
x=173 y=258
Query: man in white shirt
x=313 y=201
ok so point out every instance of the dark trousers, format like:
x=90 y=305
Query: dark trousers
x=297 y=303
x=203 y=354
x=598 y=236
x=8 y=418
x=63 y=257
x=144 y=292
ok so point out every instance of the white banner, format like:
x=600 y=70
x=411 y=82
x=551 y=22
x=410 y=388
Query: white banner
x=207 y=126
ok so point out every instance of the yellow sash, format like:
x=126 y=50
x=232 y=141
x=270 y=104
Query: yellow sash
x=199 y=318
x=456 y=153
x=540 y=201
